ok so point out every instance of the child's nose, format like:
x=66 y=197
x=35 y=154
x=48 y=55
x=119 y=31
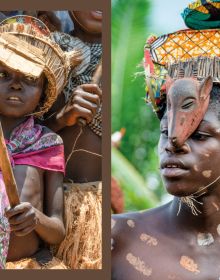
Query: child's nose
x=16 y=83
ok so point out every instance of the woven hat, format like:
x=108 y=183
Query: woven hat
x=202 y=14
x=27 y=47
x=185 y=53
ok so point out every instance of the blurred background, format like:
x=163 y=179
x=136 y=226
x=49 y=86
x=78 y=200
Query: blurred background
x=136 y=183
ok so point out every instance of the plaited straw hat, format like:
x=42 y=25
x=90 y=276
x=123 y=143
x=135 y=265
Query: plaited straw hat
x=185 y=53
x=26 y=47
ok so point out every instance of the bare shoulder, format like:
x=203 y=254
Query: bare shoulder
x=134 y=236
x=123 y=223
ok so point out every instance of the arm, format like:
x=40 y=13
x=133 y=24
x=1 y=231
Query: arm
x=25 y=218
x=84 y=103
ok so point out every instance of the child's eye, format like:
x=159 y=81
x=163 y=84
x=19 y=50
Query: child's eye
x=200 y=136
x=3 y=74
x=30 y=79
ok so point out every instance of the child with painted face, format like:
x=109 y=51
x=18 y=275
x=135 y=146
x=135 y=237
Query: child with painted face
x=181 y=239
x=29 y=84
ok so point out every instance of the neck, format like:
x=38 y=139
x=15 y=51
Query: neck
x=86 y=36
x=8 y=124
x=207 y=221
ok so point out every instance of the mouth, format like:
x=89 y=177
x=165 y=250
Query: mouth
x=97 y=15
x=14 y=100
x=173 y=168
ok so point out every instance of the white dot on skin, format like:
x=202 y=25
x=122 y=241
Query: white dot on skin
x=195 y=168
x=112 y=243
x=131 y=223
x=113 y=222
x=207 y=173
x=218 y=229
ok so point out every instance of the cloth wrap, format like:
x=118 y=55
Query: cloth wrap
x=34 y=145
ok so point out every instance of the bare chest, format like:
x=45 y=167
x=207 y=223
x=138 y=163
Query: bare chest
x=30 y=184
x=152 y=257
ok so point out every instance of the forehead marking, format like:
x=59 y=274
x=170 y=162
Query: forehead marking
x=149 y=240
x=204 y=239
x=189 y=264
x=139 y=265
x=131 y=223
x=207 y=173
x=113 y=222
x=206 y=155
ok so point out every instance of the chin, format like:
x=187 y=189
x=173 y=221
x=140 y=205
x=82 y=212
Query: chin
x=179 y=189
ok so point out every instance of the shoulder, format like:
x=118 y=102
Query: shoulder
x=130 y=224
x=132 y=218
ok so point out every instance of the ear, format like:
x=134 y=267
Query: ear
x=205 y=87
x=168 y=83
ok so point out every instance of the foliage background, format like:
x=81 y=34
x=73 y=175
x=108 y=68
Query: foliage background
x=135 y=164
x=128 y=105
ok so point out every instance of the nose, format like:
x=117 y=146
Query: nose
x=16 y=86
x=173 y=148
x=16 y=83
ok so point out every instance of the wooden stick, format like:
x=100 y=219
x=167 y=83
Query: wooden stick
x=95 y=80
x=7 y=173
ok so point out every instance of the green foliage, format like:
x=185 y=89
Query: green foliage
x=139 y=145
x=137 y=196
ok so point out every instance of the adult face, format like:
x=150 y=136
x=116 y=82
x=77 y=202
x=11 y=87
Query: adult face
x=19 y=94
x=195 y=164
x=89 y=21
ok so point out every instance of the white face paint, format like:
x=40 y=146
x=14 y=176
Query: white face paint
x=216 y=206
x=207 y=173
x=205 y=239
x=195 y=167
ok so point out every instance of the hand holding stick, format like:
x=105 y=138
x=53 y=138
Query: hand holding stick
x=95 y=80
x=7 y=173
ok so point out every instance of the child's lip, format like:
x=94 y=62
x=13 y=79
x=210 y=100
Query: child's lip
x=96 y=14
x=14 y=99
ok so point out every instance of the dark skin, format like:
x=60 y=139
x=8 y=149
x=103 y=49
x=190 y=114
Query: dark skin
x=38 y=217
x=82 y=167
x=169 y=245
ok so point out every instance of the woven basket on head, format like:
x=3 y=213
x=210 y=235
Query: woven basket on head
x=186 y=53
x=26 y=46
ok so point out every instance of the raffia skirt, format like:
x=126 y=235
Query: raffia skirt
x=82 y=246
x=41 y=260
